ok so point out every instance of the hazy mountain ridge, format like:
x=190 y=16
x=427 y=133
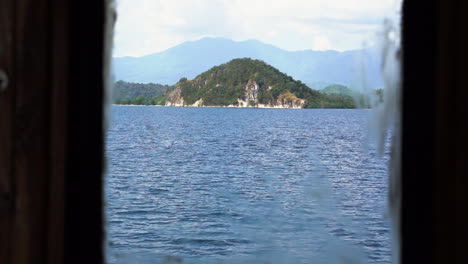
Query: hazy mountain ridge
x=351 y=68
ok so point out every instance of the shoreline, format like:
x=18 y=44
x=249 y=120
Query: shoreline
x=237 y=107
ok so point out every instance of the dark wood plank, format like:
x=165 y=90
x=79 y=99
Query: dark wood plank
x=31 y=130
x=60 y=67
x=6 y=126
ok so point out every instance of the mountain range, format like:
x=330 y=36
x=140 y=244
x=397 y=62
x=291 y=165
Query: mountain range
x=317 y=69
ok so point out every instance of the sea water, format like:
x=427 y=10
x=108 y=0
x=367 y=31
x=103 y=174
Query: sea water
x=224 y=185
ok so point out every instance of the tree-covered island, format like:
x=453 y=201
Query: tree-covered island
x=238 y=83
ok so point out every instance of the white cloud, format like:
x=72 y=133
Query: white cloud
x=147 y=26
x=322 y=43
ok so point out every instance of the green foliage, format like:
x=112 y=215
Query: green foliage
x=361 y=100
x=138 y=93
x=337 y=89
x=140 y=100
x=337 y=101
x=224 y=84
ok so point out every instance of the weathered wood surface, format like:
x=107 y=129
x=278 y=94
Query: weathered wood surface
x=60 y=67
x=6 y=125
x=33 y=129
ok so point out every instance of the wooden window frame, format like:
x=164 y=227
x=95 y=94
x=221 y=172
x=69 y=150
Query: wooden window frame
x=52 y=131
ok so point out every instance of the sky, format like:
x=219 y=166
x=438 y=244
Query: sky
x=149 y=26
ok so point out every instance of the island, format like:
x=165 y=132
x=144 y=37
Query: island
x=241 y=83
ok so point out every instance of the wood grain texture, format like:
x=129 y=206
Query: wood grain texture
x=51 y=131
x=32 y=131
x=6 y=126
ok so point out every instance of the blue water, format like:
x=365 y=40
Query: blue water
x=221 y=185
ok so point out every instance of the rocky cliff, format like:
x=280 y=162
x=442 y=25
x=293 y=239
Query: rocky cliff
x=175 y=98
x=250 y=99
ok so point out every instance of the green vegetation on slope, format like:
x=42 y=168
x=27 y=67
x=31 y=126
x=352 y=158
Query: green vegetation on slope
x=363 y=100
x=138 y=93
x=223 y=85
x=337 y=89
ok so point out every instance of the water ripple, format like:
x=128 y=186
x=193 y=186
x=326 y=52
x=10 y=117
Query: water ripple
x=229 y=184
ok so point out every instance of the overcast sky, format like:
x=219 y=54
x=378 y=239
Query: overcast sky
x=149 y=26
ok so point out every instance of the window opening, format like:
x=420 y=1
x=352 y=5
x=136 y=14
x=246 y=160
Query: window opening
x=237 y=181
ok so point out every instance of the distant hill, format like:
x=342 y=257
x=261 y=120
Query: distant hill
x=367 y=99
x=249 y=83
x=337 y=89
x=125 y=92
x=315 y=68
